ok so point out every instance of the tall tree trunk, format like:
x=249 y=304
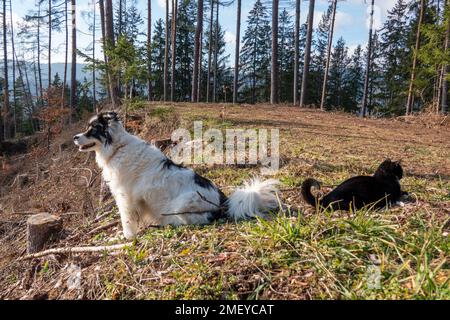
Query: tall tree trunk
x=120 y=22
x=25 y=88
x=101 y=5
x=149 y=49
x=94 y=80
x=307 y=52
x=36 y=81
x=109 y=35
x=208 y=76
x=41 y=90
x=198 y=33
x=166 y=55
x=199 y=76
x=216 y=54
x=274 y=79
x=14 y=61
x=296 y=50
x=66 y=56
x=327 y=66
x=369 y=64
x=6 y=111
x=174 y=48
x=443 y=92
x=237 y=52
x=50 y=43
x=410 y=101
x=73 y=74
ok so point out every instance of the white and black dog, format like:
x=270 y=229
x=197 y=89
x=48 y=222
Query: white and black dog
x=150 y=189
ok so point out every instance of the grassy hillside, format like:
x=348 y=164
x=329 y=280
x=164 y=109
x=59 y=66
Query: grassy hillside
x=401 y=253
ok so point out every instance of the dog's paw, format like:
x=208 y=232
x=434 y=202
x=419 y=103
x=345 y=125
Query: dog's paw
x=129 y=235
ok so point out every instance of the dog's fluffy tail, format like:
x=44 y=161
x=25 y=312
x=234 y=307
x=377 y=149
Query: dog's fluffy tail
x=254 y=199
x=306 y=191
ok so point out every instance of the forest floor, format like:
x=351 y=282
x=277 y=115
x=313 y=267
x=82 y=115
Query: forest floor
x=400 y=253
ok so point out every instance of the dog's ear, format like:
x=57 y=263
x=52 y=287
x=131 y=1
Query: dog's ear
x=111 y=116
x=107 y=118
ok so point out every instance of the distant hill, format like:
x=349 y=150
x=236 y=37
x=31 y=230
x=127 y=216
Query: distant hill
x=56 y=68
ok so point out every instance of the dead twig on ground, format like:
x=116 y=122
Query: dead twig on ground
x=106 y=226
x=69 y=250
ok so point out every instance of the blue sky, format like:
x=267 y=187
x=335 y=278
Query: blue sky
x=351 y=21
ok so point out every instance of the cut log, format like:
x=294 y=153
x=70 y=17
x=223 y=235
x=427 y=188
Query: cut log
x=41 y=228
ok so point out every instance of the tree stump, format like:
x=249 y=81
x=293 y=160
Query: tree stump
x=41 y=228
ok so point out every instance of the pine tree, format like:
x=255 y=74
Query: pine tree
x=433 y=57
x=410 y=99
x=319 y=57
x=327 y=63
x=184 y=52
x=396 y=57
x=305 y=78
x=255 y=56
x=376 y=101
x=338 y=75
x=354 y=82
x=158 y=53
x=286 y=55
x=197 y=53
x=223 y=72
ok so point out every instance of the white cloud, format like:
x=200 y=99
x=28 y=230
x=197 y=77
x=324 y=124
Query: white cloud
x=230 y=37
x=343 y=19
x=162 y=4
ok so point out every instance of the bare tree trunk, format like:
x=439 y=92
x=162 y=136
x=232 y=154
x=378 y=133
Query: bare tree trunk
x=208 y=76
x=296 y=50
x=174 y=48
x=274 y=81
x=443 y=91
x=197 y=53
x=120 y=22
x=166 y=55
x=369 y=64
x=327 y=67
x=216 y=54
x=101 y=4
x=237 y=52
x=199 y=77
x=109 y=35
x=41 y=91
x=66 y=57
x=26 y=89
x=149 y=49
x=36 y=82
x=94 y=80
x=307 y=53
x=50 y=43
x=410 y=101
x=73 y=74
x=13 y=47
x=6 y=111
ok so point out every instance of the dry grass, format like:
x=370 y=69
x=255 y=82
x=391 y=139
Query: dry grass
x=300 y=254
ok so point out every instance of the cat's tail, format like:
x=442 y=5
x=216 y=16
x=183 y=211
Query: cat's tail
x=306 y=191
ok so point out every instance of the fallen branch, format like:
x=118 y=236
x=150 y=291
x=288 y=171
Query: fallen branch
x=106 y=226
x=69 y=250
x=101 y=216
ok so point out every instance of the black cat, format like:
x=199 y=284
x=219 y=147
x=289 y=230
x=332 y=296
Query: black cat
x=379 y=190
